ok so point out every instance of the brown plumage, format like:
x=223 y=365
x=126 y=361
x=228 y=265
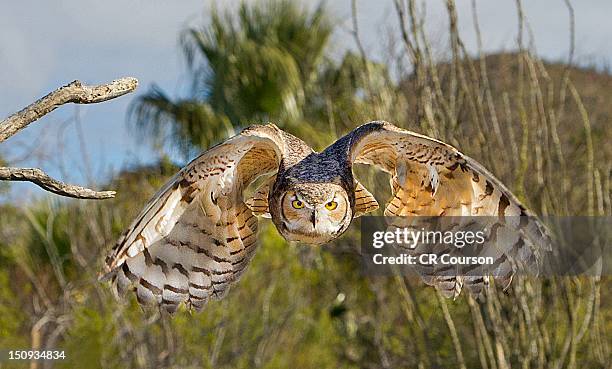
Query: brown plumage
x=197 y=234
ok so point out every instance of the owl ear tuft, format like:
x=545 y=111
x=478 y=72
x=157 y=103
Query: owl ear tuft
x=364 y=200
x=259 y=202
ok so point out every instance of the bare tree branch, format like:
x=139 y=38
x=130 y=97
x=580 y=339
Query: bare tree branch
x=74 y=92
x=41 y=179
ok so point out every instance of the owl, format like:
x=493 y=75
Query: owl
x=199 y=232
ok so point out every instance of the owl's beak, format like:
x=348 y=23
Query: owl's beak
x=313 y=219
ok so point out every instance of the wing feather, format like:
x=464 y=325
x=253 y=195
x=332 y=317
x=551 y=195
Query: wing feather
x=431 y=178
x=196 y=236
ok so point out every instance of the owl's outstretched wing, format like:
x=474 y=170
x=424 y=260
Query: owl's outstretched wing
x=196 y=235
x=431 y=178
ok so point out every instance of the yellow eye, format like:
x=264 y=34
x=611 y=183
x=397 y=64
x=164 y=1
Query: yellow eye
x=332 y=205
x=297 y=204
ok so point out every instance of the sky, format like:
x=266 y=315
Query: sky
x=45 y=44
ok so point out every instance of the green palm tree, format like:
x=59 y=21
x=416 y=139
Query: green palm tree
x=251 y=66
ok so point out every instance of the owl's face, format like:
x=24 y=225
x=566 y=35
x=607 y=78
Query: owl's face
x=314 y=213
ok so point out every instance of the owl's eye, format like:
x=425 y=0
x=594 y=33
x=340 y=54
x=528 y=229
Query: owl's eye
x=297 y=204
x=332 y=205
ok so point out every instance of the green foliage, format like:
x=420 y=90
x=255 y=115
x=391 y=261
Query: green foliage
x=87 y=339
x=12 y=318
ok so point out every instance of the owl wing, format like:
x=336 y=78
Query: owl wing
x=196 y=235
x=431 y=178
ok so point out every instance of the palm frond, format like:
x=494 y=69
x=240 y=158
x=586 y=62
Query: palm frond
x=186 y=122
x=251 y=66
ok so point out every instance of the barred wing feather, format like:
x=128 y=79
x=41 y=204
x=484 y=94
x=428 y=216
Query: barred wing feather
x=196 y=236
x=431 y=178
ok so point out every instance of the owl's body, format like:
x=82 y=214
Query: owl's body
x=198 y=233
x=314 y=179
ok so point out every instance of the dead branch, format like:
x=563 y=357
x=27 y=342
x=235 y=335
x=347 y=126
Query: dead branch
x=74 y=92
x=41 y=179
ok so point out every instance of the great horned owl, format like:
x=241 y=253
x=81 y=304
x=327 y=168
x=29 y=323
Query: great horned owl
x=198 y=233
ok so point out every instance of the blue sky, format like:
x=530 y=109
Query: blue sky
x=45 y=44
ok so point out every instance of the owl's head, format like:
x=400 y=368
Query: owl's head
x=313 y=213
